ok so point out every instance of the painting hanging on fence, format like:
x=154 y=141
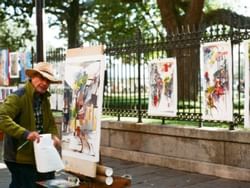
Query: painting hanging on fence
x=162 y=87
x=245 y=85
x=216 y=75
x=4 y=67
x=19 y=62
x=84 y=77
x=25 y=63
x=14 y=64
x=5 y=91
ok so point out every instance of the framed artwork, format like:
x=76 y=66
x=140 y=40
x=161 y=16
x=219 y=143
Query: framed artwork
x=84 y=75
x=5 y=91
x=246 y=48
x=25 y=62
x=14 y=64
x=4 y=67
x=216 y=78
x=162 y=87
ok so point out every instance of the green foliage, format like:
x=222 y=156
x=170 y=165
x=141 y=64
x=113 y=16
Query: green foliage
x=12 y=39
x=15 y=27
x=211 y=5
x=114 y=20
x=99 y=21
x=91 y=21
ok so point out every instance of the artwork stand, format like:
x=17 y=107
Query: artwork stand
x=84 y=75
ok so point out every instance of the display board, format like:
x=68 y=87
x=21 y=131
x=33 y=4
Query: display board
x=84 y=75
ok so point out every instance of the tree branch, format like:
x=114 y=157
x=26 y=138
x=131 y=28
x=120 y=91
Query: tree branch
x=167 y=14
x=194 y=12
x=223 y=16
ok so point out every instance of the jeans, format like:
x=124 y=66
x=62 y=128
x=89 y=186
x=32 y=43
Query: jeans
x=25 y=175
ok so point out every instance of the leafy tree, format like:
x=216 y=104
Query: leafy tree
x=176 y=13
x=13 y=38
x=83 y=21
x=108 y=20
x=99 y=20
x=15 y=27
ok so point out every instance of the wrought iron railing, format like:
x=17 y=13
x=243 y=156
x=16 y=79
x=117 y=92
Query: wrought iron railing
x=126 y=75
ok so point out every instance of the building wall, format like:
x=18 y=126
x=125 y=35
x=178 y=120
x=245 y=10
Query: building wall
x=210 y=151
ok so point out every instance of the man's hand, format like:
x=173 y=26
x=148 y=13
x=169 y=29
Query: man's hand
x=33 y=136
x=57 y=142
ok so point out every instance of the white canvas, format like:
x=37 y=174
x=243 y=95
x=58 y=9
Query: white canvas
x=84 y=75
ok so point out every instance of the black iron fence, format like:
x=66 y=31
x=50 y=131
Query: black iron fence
x=126 y=75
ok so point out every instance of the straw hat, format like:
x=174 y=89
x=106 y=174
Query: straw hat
x=45 y=69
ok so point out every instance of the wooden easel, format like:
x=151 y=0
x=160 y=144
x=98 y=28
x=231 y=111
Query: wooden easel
x=118 y=181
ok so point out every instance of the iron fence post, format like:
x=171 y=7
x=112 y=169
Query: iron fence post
x=39 y=22
x=138 y=39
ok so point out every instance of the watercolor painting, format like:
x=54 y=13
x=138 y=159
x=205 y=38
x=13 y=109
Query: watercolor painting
x=216 y=74
x=84 y=73
x=4 y=67
x=162 y=87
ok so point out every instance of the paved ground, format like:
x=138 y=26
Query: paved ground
x=148 y=176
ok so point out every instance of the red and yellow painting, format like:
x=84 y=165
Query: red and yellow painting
x=162 y=87
x=216 y=74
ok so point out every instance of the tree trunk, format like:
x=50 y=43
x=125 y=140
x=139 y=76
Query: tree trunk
x=73 y=23
x=188 y=54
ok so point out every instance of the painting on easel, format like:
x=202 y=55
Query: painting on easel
x=84 y=73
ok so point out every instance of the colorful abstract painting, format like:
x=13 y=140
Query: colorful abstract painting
x=216 y=74
x=25 y=62
x=84 y=75
x=4 y=67
x=162 y=87
x=14 y=64
x=19 y=61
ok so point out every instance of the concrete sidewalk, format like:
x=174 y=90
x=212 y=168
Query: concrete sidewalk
x=148 y=176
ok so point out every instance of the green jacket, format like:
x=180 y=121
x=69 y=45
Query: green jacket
x=17 y=120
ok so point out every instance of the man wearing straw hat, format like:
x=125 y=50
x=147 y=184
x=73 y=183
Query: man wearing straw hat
x=24 y=115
